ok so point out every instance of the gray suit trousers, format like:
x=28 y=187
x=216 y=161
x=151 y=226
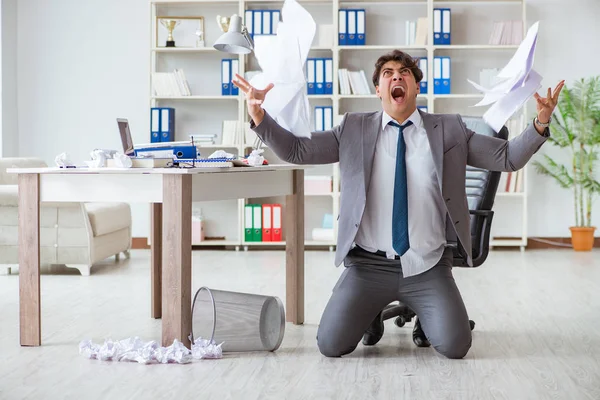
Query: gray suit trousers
x=370 y=282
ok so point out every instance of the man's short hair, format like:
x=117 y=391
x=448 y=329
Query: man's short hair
x=401 y=57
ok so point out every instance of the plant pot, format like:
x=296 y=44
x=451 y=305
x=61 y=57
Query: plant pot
x=582 y=237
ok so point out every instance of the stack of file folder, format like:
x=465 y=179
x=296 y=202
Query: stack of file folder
x=319 y=75
x=262 y=22
x=162 y=124
x=441 y=26
x=352 y=27
x=262 y=223
x=229 y=67
x=441 y=75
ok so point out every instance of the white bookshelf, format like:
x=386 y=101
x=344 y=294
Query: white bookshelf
x=204 y=111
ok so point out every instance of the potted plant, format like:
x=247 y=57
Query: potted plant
x=577 y=128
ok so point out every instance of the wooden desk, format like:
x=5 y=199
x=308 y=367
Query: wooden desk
x=171 y=192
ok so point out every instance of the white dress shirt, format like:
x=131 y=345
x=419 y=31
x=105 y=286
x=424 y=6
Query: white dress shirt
x=426 y=208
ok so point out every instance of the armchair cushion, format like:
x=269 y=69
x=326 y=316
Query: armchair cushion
x=108 y=217
x=17 y=162
x=9 y=195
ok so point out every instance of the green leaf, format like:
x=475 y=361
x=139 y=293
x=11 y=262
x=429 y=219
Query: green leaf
x=558 y=172
x=591 y=185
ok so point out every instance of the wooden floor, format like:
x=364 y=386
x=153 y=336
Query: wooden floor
x=537 y=336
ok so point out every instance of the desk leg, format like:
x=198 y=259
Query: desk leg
x=29 y=259
x=156 y=239
x=177 y=259
x=294 y=246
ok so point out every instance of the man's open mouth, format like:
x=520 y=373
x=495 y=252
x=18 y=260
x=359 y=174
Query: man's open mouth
x=398 y=94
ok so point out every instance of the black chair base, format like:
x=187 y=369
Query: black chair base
x=403 y=315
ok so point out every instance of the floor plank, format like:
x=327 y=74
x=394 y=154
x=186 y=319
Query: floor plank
x=537 y=335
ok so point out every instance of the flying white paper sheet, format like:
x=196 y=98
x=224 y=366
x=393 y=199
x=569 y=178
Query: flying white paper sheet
x=282 y=58
x=520 y=83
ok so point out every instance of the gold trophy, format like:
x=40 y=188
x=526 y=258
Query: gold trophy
x=170 y=24
x=223 y=23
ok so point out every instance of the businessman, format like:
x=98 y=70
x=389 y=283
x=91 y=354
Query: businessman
x=402 y=202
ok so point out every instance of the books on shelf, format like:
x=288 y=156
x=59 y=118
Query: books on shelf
x=506 y=33
x=353 y=82
x=167 y=84
x=318 y=184
x=234 y=132
x=512 y=182
x=416 y=32
x=204 y=139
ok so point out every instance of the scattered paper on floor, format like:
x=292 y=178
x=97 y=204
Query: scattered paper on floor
x=136 y=350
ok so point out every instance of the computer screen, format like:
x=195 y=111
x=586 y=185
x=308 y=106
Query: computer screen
x=126 y=140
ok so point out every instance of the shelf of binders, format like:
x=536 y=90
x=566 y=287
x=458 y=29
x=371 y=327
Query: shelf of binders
x=174 y=2
x=458 y=96
x=478 y=1
x=510 y=194
x=217 y=243
x=184 y=49
x=220 y=97
x=350 y=56
x=379 y=48
x=369 y=96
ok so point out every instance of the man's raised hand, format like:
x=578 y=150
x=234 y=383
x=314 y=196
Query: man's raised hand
x=254 y=98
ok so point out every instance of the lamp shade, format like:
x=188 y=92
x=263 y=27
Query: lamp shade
x=236 y=40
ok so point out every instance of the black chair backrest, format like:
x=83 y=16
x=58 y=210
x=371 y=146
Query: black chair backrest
x=481 y=184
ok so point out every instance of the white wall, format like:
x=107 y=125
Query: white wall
x=9 y=144
x=567 y=49
x=82 y=64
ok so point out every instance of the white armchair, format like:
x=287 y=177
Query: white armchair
x=74 y=234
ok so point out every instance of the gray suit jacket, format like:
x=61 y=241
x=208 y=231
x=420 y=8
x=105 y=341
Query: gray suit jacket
x=352 y=144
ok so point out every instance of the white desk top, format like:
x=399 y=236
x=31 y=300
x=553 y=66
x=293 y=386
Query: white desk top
x=201 y=170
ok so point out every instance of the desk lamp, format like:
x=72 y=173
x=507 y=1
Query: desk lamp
x=235 y=40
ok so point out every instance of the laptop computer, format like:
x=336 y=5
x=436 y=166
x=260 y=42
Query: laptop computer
x=130 y=149
x=125 y=133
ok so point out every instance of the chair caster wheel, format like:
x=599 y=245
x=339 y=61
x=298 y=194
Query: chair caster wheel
x=400 y=321
x=472 y=324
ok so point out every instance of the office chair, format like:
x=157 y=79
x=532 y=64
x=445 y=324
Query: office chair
x=481 y=186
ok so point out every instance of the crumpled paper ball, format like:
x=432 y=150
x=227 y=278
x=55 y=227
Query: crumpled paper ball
x=63 y=160
x=255 y=158
x=221 y=154
x=98 y=159
x=122 y=160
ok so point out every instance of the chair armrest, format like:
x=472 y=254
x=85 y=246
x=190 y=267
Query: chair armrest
x=483 y=213
x=484 y=244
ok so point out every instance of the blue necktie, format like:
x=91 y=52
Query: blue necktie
x=400 y=241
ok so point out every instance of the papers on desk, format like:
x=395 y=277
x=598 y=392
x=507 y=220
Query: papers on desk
x=282 y=58
x=519 y=82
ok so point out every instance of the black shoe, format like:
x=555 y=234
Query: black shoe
x=419 y=337
x=374 y=332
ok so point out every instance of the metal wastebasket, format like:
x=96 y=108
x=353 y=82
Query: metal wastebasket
x=241 y=321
